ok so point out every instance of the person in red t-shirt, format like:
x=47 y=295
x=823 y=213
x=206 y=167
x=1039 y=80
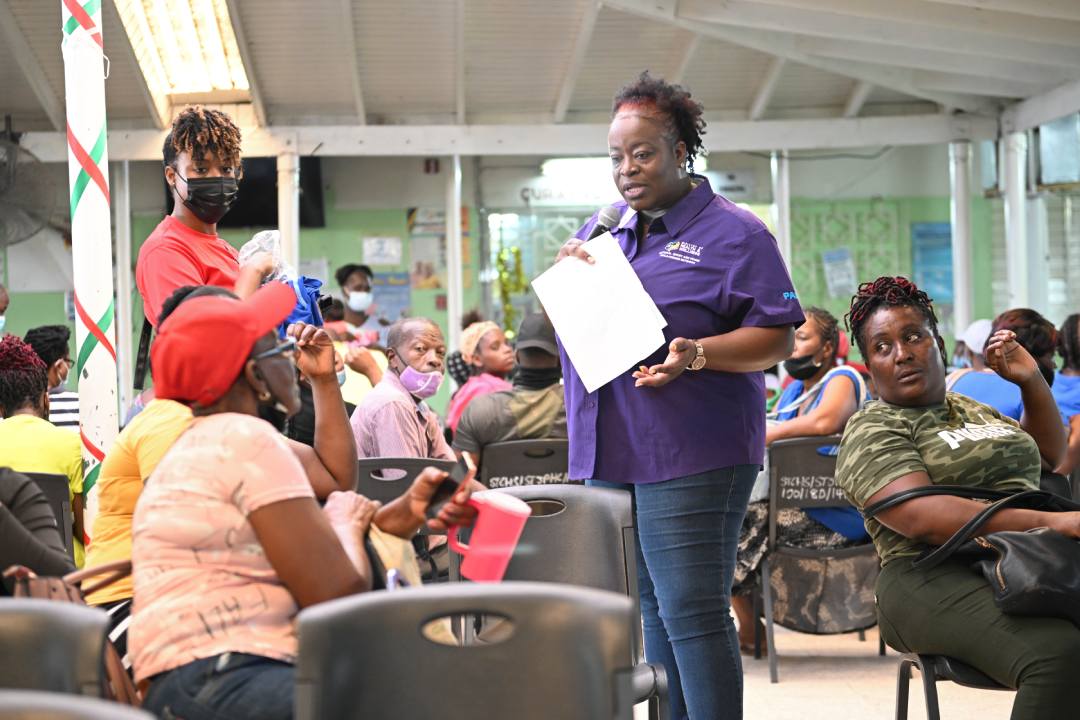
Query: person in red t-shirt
x=202 y=168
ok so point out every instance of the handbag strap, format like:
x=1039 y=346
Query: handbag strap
x=143 y=356
x=114 y=571
x=1002 y=500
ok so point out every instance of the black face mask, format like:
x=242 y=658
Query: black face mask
x=536 y=378
x=209 y=198
x=802 y=368
x=276 y=417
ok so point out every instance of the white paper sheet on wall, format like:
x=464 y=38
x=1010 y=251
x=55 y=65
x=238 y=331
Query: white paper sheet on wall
x=601 y=312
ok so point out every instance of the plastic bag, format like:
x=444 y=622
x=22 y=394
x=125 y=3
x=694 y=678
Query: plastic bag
x=268 y=241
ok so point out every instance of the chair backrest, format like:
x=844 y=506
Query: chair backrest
x=30 y=705
x=57 y=492
x=525 y=462
x=52 y=646
x=567 y=657
x=802 y=474
x=385 y=479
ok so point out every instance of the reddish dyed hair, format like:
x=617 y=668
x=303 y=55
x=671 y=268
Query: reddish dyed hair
x=681 y=113
x=23 y=375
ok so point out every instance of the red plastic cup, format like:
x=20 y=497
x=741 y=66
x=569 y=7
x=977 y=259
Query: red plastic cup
x=500 y=518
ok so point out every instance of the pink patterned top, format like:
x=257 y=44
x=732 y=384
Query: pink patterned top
x=203 y=585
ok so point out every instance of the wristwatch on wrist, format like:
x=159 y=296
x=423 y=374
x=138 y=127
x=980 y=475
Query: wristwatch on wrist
x=699 y=360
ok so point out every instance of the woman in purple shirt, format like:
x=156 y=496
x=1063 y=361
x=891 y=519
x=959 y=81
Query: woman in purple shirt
x=685 y=433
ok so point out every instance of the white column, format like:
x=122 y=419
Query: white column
x=1014 y=188
x=960 y=215
x=781 y=205
x=288 y=203
x=121 y=195
x=453 y=253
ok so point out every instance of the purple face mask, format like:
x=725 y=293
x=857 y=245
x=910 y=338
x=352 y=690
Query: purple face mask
x=420 y=384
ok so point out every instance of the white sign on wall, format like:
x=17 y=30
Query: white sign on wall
x=382 y=250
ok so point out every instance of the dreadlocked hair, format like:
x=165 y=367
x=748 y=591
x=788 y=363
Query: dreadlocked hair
x=887 y=292
x=1068 y=345
x=23 y=375
x=1035 y=333
x=682 y=114
x=828 y=326
x=50 y=342
x=199 y=131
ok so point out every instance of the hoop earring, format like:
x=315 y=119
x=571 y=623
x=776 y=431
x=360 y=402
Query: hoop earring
x=265 y=396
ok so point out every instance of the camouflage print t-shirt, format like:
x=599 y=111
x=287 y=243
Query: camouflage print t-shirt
x=960 y=442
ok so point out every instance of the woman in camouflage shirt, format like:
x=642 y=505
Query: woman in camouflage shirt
x=917 y=434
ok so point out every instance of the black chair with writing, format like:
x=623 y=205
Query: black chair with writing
x=802 y=475
x=386 y=479
x=525 y=462
x=58 y=493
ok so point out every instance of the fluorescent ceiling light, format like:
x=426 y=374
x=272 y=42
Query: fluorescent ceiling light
x=576 y=168
x=185 y=47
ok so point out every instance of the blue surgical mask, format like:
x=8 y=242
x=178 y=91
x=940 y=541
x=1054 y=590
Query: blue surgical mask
x=341 y=377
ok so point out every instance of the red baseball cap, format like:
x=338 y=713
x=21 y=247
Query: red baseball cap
x=201 y=347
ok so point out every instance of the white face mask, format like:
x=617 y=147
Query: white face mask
x=2 y=321
x=360 y=301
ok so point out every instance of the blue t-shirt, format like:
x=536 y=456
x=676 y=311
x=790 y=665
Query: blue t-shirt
x=1066 y=391
x=993 y=390
x=845 y=521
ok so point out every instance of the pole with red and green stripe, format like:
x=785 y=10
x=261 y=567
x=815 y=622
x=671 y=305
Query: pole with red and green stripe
x=85 y=69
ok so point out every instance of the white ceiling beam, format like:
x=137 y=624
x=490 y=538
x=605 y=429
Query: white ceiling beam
x=249 y=63
x=685 y=59
x=429 y=140
x=1062 y=9
x=949 y=82
x=157 y=102
x=1014 y=25
x=942 y=60
x=577 y=60
x=459 y=60
x=857 y=98
x=784 y=45
x=1059 y=102
x=348 y=27
x=30 y=68
x=744 y=14
x=766 y=88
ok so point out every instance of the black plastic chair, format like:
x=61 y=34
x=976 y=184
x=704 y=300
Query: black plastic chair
x=525 y=462
x=566 y=655
x=31 y=705
x=933 y=669
x=52 y=646
x=57 y=491
x=386 y=479
x=34 y=705
x=585 y=536
x=802 y=475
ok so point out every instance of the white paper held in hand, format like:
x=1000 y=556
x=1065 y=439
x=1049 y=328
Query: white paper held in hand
x=601 y=312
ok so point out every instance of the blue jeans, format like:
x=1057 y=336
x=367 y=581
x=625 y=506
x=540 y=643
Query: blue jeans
x=233 y=686
x=687 y=535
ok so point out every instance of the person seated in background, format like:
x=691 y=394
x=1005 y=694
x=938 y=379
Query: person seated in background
x=29 y=443
x=534 y=408
x=28 y=532
x=919 y=434
x=968 y=352
x=1066 y=389
x=819 y=401
x=456 y=367
x=483 y=346
x=394 y=420
x=360 y=323
x=330 y=464
x=1035 y=334
x=228 y=542
x=50 y=342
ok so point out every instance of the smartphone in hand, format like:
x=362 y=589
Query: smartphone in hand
x=447 y=488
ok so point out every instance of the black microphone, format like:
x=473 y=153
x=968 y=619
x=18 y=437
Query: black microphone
x=609 y=217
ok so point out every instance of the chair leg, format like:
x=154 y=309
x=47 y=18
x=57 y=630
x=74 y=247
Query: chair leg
x=756 y=602
x=929 y=681
x=770 y=645
x=903 y=682
x=862 y=636
x=880 y=644
x=661 y=697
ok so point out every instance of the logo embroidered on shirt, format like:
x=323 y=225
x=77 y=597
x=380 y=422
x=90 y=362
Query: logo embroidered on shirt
x=790 y=296
x=682 y=251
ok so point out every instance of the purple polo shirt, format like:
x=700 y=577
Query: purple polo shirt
x=710 y=267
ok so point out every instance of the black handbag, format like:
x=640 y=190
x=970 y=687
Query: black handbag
x=1031 y=572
